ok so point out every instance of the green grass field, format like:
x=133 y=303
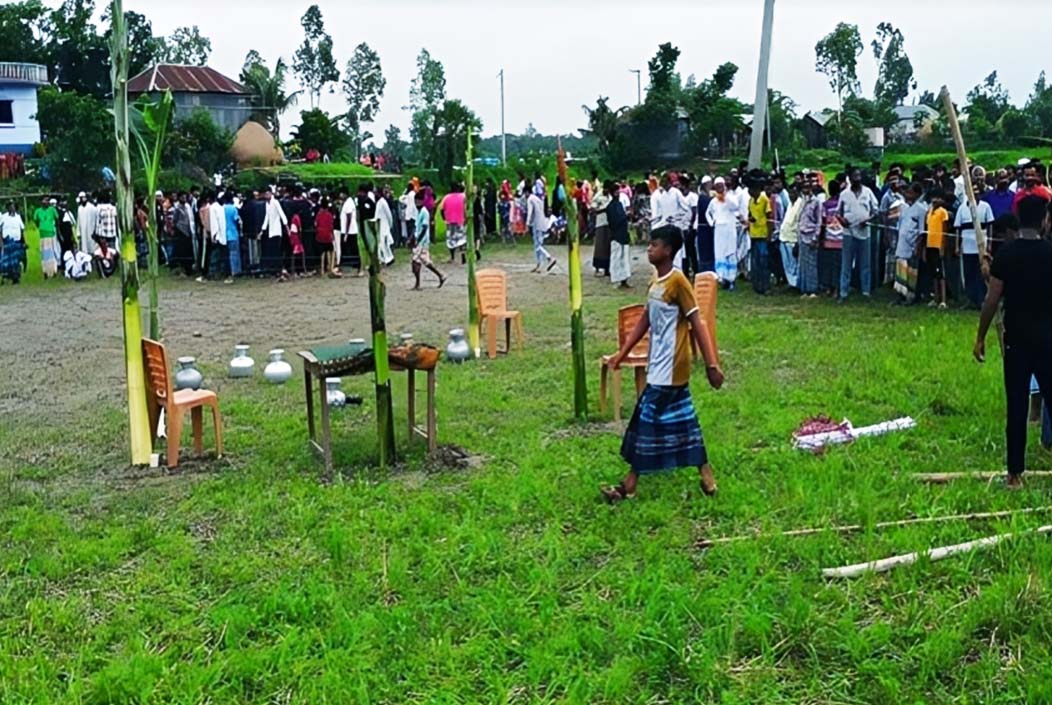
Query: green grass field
x=252 y=581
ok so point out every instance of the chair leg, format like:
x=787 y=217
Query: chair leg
x=175 y=432
x=196 y=420
x=641 y=381
x=507 y=334
x=217 y=422
x=617 y=394
x=491 y=337
x=520 y=331
x=603 y=372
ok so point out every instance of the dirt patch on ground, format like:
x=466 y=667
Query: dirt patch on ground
x=62 y=345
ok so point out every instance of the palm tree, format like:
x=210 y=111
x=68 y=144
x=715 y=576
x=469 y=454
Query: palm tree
x=269 y=98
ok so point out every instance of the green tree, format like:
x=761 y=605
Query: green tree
x=715 y=117
x=197 y=140
x=664 y=82
x=454 y=121
x=24 y=27
x=186 y=46
x=603 y=122
x=1013 y=124
x=895 y=78
x=319 y=131
x=79 y=55
x=394 y=145
x=870 y=113
x=269 y=97
x=77 y=132
x=988 y=101
x=427 y=94
x=363 y=84
x=313 y=62
x=836 y=56
x=782 y=118
x=1039 y=108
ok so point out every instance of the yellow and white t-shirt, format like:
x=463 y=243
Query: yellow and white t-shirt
x=670 y=302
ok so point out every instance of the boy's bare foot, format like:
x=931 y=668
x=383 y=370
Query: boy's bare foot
x=1014 y=482
x=441 y=281
x=617 y=493
x=415 y=288
x=536 y=270
x=708 y=480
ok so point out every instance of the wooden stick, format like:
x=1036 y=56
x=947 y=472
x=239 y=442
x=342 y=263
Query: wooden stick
x=933 y=554
x=850 y=528
x=938 y=478
x=962 y=157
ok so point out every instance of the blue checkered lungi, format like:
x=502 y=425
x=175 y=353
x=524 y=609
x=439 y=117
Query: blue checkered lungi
x=664 y=433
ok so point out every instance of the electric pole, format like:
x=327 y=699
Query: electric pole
x=503 y=134
x=759 y=116
x=639 y=85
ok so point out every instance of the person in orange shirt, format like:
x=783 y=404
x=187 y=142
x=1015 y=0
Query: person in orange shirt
x=938 y=217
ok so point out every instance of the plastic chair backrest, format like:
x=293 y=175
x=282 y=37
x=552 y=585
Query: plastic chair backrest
x=492 y=288
x=627 y=318
x=706 y=288
x=155 y=359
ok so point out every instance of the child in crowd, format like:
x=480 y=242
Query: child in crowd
x=325 y=236
x=664 y=433
x=422 y=243
x=296 y=245
x=938 y=216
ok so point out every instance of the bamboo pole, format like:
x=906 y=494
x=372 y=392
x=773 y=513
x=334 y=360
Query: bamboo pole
x=474 y=322
x=939 y=478
x=962 y=159
x=138 y=415
x=851 y=528
x=933 y=554
x=573 y=243
x=384 y=409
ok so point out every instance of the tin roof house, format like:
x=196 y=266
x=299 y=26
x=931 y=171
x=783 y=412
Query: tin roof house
x=192 y=87
x=19 y=129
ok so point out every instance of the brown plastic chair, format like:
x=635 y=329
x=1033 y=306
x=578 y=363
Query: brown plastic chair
x=175 y=404
x=706 y=288
x=491 y=286
x=627 y=318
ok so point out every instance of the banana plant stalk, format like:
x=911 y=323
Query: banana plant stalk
x=151 y=122
x=384 y=409
x=138 y=416
x=573 y=242
x=474 y=322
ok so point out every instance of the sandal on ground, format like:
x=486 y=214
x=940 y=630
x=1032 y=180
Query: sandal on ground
x=617 y=493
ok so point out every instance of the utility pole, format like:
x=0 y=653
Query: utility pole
x=759 y=116
x=503 y=134
x=639 y=85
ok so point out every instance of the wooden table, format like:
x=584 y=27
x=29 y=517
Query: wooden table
x=332 y=364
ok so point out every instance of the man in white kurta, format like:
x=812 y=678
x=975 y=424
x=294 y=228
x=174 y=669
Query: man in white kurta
x=87 y=219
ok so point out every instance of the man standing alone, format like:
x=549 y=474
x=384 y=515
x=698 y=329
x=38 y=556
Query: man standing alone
x=858 y=206
x=1019 y=276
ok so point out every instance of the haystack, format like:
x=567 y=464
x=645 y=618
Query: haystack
x=254 y=146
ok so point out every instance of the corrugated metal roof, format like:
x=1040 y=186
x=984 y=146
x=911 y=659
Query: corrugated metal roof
x=183 y=79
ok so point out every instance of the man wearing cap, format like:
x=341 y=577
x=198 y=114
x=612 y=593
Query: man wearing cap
x=87 y=219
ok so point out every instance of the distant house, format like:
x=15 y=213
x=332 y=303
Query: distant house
x=912 y=122
x=226 y=100
x=19 y=129
x=813 y=125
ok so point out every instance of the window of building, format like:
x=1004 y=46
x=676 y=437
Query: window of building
x=7 y=112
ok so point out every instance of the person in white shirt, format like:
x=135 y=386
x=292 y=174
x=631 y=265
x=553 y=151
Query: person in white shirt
x=974 y=286
x=271 y=233
x=87 y=219
x=11 y=226
x=385 y=220
x=220 y=260
x=408 y=201
x=538 y=224
x=349 y=226
x=724 y=217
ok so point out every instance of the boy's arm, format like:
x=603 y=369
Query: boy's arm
x=994 y=293
x=700 y=331
x=642 y=326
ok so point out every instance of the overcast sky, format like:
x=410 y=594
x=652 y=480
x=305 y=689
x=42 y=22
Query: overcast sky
x=558 y=55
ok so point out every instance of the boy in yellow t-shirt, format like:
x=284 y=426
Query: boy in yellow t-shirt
x=938 y=217
x=760 y=219
x=664 y=433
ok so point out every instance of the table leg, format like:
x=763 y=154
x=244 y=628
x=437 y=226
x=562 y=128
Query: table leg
x=411 y=402
x=432 y=432
x=326 y=435
x=310 y=402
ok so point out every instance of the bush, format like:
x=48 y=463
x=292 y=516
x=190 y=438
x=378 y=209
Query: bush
x=78 y=138
x=199 y=141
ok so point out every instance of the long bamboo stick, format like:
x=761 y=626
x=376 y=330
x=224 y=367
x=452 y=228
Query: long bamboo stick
x=939 y=478
x=573 y=243
x=962 y=157
x=474 y=322
x=933 y=554
x=851 y=528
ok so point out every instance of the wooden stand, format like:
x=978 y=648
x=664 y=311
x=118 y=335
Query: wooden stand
x=321 y=439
